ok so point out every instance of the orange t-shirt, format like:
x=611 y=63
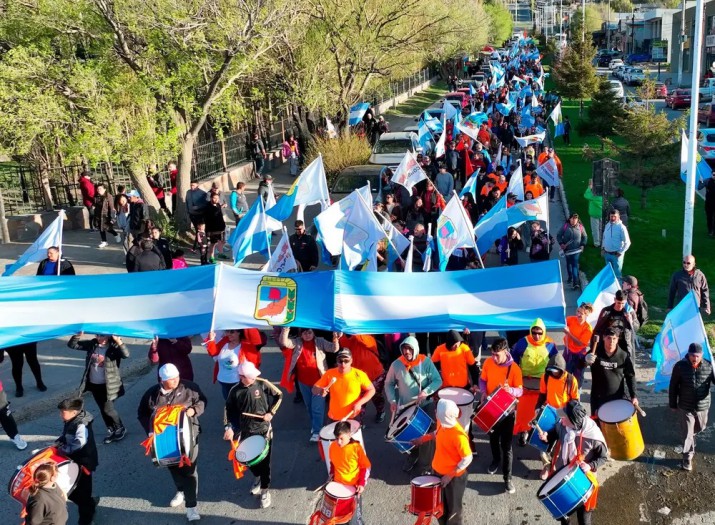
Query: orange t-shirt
x=454 y=364
x=502 y=186
x=536 y=189
x=581 y=331
x=451 y=446
x=347 y=462
x=365 y=355
x=496 y=375
x=559 y=391
x=345 y=391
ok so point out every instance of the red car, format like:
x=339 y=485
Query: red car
x=661 y=90
x=678 y=98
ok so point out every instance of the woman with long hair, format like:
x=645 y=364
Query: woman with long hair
x=47 y=504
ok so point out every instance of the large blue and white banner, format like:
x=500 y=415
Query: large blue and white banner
x=186 y=302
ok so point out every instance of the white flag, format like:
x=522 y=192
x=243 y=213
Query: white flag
x=361 y=232
x=272 y=225
x=409 y=172
x=37 y=251
x=531 y=139
x=516 y=183
x=282 y=259
x=549 y=172
x=439 y=149
x=454 y=230
x=410 y=255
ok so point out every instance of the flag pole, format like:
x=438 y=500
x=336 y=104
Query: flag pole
x=60 y=215
x=469 y=221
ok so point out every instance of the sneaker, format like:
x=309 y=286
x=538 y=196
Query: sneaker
x=120 y=433
x=509 y=487
x=19 y=442
x=380 y=417
x=314 y=438
x=110 y=436
x=19 y=392
x=410 y=463
x=493 y=467
x=265 y=500
x=256 y=487
x=42 y=387
x=117 y=239
x=103 y=244
x=687 y=464
x=177 y=500
x=192 y=514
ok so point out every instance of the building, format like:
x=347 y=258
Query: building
x=708 y=52
x=657 y=33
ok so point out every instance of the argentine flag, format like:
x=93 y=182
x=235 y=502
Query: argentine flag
x=557 y=120
x=357 y=112
x=516 y=183
x=37 y=251
x=600 y=292
x=703 y=171
x=471 y=186
x=251 y=235
x=454 y=230
x=310 y=187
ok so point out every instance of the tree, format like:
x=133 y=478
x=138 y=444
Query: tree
x=501 y=23
x=594 y=19
x=574 y=74
x=605 y=110
x=622 y=6
x=650 y=149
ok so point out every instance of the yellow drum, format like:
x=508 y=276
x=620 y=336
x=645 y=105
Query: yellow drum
x=619 y=424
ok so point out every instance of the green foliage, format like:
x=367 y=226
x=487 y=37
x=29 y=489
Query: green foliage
x=339 y=153
x=604 y=111
x=622 y=6
x=594 y=19
x=501 y=23
x=574 y=74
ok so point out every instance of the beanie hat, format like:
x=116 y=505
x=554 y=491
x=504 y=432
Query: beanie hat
x=447 y=413
x=576 y=413
x=249 y=370
x=695 y=348
x=168 y=371
x=453 y=337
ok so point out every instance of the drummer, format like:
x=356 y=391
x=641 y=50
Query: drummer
x=577 y=334
x=349 y=392
x=455 y=362
x=557 y=389
x=452 y=456
x=501 y=371
x=532 y=354
x=77 y=443
x=172 y=390
x=579 y=440
x=412 y=378
x=250 y=407
x=612 y=372
x=349 y=464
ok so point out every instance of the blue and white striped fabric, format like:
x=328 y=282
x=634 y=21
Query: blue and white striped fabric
x=357 y=112
x=505 y=298
x=165 y=303
x=600 y=292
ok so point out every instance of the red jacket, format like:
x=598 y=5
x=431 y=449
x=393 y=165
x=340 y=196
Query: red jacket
x=86 y=186
x=252 y=341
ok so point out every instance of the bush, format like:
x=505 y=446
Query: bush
x=339 y=153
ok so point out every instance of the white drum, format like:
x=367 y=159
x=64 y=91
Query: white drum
x=327 y=436
x=464 y=399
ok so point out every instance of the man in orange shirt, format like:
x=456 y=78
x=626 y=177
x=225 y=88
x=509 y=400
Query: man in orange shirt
x=456 y=363
x=501 y=371
x=578 y=333
x=349 y=464
x=533 y=185
x=452 y=456
x=367 y=358
x=350 y=389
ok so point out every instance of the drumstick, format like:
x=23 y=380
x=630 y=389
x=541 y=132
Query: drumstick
x=640 y=410
x=332 y=381
x=596 y=339
x=258 y=416
x=321 y=487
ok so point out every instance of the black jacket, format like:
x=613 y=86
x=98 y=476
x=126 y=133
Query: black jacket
x=690 y=387
x=613 y=377
x=149 y=260
x=77 y=441
x=619 y=321
x=112 y=359
x=47 y=507
x=213 y=217
x=305 y=250
x=66 y=267
x=162 y=245
x=138 y=213
x=260 y=398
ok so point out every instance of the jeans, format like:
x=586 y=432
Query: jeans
x=572 y=267
x=110 y=416
x=615 y=262
x=316 y=407
x=225 y=389
x=596 y=231
x=258 y=159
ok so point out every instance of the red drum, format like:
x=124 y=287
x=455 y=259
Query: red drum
x=338 y=504
x=68 y=473
x=499 y=405
x=426 y=496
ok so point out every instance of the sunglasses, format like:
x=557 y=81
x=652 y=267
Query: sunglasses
x=343 y=361
x=537 y=332
x=687 y=263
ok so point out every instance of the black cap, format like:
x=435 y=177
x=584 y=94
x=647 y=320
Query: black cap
x=695 y=348
x=453 y=337
x=576 y=413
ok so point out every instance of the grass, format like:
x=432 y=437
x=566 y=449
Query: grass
x=418 y=102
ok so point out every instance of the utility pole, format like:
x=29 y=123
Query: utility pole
x=682 y=44
x=693 y=143
x=5 y=233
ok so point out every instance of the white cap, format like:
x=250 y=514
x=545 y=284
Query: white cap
x=249 y=370
x=168 y=371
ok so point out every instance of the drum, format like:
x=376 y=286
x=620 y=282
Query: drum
x=426 y=495
x=499 y=405
x=252 y=450
x=411 y=423
x=546 y=421
x=565 y=490
x=173 y=436
x=68 y=473
x=338 y=503
x=464 y=399
x=619 y=424
x=327 y=436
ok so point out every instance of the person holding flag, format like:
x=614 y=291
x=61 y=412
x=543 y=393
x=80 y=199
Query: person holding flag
x=54 y=264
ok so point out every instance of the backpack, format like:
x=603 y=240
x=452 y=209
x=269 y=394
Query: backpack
x=642 y=310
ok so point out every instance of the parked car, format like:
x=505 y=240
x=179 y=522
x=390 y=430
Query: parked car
x=431 y=112
x=706 y=114
x=707 y=89
x=603 y=61
x=613 y=64
x=661 y=90
x=638 y=58
x=390 y=148
x=479 y=78
x=431 y=142
x=354 y=177
x=458 y=96
x=620 y=71
x=678 y=98
x=617 y=88
x=706 y=143
x=634 y=76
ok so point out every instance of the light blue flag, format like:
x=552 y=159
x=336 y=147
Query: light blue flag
x=251 y=235
x=492 y=226
x=600 y=292
x=37 y=251
x=471 y=186
x=424 y=137
x=683 y=325
x=434 y=124
x=472 y=91
x=357 y=112
x=505 y=109
x=557 y=120
x=449 y=110
x=427 y=256
x=310 y=187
